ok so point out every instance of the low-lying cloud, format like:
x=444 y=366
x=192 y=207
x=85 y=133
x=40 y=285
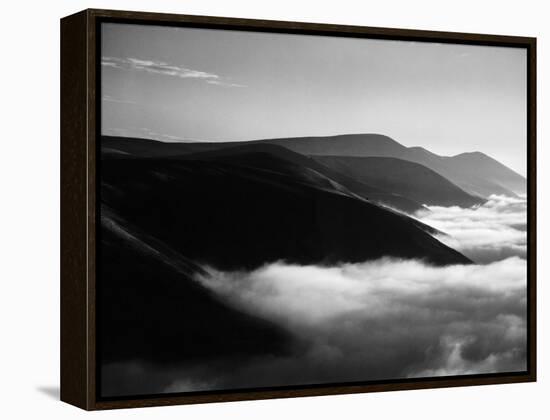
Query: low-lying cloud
x=383 y=319
x=386 y=319
x=491 y=232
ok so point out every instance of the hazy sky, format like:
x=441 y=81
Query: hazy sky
x=196 y=84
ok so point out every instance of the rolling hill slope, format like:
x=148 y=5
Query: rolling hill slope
x=402 y=177
x=476 y=173
x=259 y=156
x=164 y=219
x=233 y=214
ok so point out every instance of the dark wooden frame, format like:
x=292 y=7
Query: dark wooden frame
x=79 y=133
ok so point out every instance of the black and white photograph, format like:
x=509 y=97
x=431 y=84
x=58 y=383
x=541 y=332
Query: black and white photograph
x=290 y=210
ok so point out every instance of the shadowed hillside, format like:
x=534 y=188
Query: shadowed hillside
x=165 y=219
x=152 y=309
x=474 y=172
x=240 y=213
x=302 y=167
x=402 y=177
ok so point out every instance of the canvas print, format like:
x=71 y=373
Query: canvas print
x=284 y=210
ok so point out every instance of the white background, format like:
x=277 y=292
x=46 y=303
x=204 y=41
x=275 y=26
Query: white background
x=29 y=208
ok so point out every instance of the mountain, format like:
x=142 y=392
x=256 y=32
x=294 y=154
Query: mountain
x=408 y=203
x=151 y=308
x=476 y=173
x=402 y=177
x=343 y=145
x=235 y=213
x=137 y=147
x=478 y=165
x=300 y=166
x=165 y=220
x=112 y=146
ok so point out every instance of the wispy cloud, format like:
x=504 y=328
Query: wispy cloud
x=109 y=98
x=166 y=69
x=143 y=132
x=219 y=83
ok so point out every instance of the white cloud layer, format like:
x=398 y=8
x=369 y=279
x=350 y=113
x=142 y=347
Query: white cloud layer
x=378 y=320
x=383 y=319
x=491 y=232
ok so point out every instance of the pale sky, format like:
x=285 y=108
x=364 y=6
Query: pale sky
x=176 y=84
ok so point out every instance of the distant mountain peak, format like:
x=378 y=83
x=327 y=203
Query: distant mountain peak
x=474 y=172
x=474 y=154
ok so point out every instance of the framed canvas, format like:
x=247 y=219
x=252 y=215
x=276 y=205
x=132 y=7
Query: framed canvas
x=256 y=209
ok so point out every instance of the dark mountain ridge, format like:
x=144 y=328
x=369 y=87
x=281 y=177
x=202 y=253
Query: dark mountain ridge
x=164 y=220
x=475 y=172
x=244 y=154
x=241 y=213
x=145 y=285
x=402 y=177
